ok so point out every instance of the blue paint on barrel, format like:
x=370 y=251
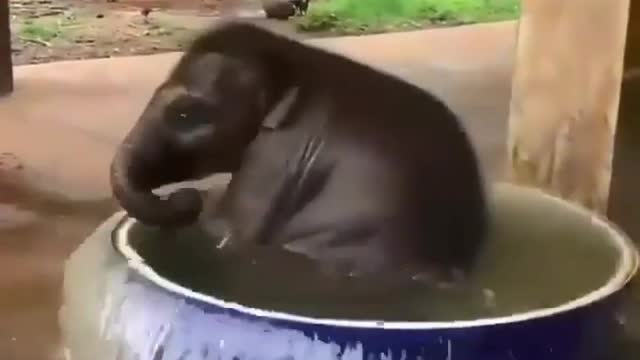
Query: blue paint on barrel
x=161 y=320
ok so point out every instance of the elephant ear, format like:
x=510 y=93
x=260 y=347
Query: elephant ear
x=278 y=116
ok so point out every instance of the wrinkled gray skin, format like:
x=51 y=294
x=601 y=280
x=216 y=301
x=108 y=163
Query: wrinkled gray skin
x=189 y=129
x=330 y=158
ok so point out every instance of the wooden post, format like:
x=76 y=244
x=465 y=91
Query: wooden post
x=565 y=97
x=624 y=201
x=6 y=66
x=624 y=198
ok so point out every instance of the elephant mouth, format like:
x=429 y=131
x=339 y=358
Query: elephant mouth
x=133 y=179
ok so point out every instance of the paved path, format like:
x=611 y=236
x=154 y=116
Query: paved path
x=65 y=118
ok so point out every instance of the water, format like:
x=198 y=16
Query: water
x=538 y=256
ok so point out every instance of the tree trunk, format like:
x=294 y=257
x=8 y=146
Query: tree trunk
x=6 y=70
x=565 y=95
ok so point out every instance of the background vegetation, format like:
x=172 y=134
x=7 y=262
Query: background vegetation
x=358 y=16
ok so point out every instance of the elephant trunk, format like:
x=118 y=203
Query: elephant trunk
x=133 y=178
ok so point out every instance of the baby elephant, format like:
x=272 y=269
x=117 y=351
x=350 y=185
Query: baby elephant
x=330 y=158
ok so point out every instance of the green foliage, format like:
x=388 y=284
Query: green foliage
x=39 y=31
x=45 y=30
x=348 y=16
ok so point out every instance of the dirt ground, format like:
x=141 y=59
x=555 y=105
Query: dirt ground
x=51 y=30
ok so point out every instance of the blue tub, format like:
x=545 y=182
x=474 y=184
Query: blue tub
x=147 y=317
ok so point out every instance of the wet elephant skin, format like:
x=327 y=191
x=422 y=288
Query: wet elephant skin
x=329 y=157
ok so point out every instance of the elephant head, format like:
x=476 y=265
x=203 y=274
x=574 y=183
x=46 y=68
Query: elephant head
x=198 y=122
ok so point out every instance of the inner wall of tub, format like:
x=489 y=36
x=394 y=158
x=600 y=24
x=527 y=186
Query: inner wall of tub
x=539 y=255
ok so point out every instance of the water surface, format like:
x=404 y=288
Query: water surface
x=538 y=256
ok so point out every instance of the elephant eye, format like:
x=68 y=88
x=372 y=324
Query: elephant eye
x=190 y=119
x=190 y=122
x=187 y=116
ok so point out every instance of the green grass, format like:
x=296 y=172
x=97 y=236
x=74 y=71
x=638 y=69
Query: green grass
x=354 y=16
x=39 y=31
x=44 y=30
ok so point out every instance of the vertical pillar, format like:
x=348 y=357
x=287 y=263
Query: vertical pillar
x=565 y=97
x=624 y=200
x=6 y=66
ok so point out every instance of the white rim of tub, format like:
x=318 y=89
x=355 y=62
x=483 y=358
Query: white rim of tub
x=625 y=270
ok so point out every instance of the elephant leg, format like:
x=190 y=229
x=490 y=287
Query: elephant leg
x=349 y=247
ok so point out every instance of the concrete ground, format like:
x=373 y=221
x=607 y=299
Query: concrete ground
x=59 y=130
x=65 y=118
